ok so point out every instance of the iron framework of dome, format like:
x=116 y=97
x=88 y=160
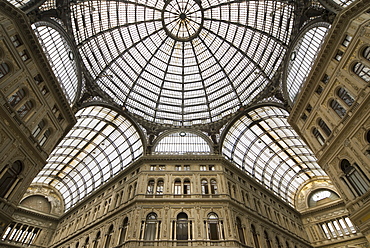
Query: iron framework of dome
x=182 y=62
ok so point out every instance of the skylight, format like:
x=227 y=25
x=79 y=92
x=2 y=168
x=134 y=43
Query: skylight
x=182 y=142
x=61 y=58
x=182 y=62
x=265 y=146
x=100 y=145
x=303 y=56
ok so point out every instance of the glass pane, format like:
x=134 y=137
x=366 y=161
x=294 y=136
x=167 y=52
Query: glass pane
x=195 y=65
x=362 y=71
x=18 y=3
x=100 y=145
x=303 y=57
x=60 y=57
x=182 y=143
x=266 y=147
x=343 y=3
x=4 y=69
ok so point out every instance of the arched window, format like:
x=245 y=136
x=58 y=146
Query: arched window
x=108 y=237
x=233 y=195
x=106 y=206
x=177 y=187
x=182 y=143
x=362 y=71
x=77 y=244
x=134 y=190
x=213 y=227
x=187 y=187
x=130 y=194
x=150 y=227
x=287 y=244
x=14 y=99
x=25 y=109
x=278 y=242
x=38 y=128
x=321 y=196
x=355 y=177
x=61 y=58
x=302 y=57
x=96 y=241
x=214 y=187
x=316 y=133
x=368 y=136
x=86 y=242
x=96 y=211
x=38 y=202
x=182 y=227
x=150 y=189
x=122 y=237
x=240 y=230
x=4 y=69
x=204 y=187
x=366 y=53
x=229 y=187
x=160 y=187
x=338 y=108
x=9 y=178
x=45 y=136
x=343 y=94
x=255 y=237
x=324 y=127
x=267 y=239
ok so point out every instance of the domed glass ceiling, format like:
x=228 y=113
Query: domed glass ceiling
x=182 y=62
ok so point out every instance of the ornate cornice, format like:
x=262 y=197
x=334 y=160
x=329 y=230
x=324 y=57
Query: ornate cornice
x=36 y=213
x=329 y=206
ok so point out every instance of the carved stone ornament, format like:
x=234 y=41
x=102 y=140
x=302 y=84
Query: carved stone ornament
x=50 y=194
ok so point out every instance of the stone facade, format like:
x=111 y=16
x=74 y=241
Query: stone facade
x=197 y=187
x=332 y=111
x=34 y=112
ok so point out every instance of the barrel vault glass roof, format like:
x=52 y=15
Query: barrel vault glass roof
x=265 y=146
x=100 y=145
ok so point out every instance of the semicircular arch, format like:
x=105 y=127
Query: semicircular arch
x=182 y=141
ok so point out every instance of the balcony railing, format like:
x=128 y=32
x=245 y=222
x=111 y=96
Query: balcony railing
x=174 y=243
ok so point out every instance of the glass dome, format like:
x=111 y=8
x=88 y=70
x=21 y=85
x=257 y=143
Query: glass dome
x=182 y=62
